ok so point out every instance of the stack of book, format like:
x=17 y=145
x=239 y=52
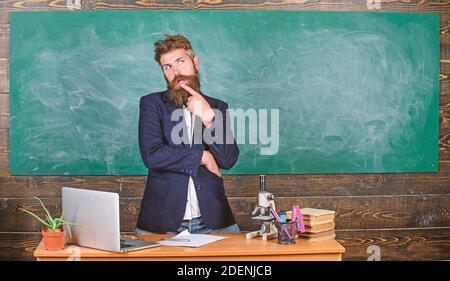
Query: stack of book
x=319 y=224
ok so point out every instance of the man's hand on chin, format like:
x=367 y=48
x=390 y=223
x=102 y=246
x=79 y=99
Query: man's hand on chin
x=199 y=106
x=210 y=163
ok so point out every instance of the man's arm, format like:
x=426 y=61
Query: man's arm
x=155 y=153
x=226 y=155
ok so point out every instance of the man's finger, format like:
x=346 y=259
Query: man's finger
x=190 y=90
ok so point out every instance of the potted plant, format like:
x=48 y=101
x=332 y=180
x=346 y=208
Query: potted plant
x=53 y=232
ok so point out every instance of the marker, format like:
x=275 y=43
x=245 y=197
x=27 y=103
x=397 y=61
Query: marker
x=298 y=218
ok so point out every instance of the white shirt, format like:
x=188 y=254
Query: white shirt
x=192 y=207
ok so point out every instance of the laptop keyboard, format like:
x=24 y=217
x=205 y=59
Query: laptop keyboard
x=123 y=244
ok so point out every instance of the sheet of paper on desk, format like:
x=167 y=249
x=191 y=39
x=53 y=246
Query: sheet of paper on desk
x=186 y=239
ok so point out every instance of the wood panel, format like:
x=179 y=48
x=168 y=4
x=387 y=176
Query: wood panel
x=365 y=212
x=444 y=74
x=244 y=185
x=4 y=108
x=50 y=186
x=405 y=214
x=18 y=246
x=444 y=165
x=352 y=212
x=4 y=153
x=349 y=5
x=4 y=36
x=397 y=244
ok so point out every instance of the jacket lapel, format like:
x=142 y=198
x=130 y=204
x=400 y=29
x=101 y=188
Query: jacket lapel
x=168 y=103
x=170 y=106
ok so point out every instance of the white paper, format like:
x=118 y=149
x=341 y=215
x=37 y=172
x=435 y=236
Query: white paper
x=186 y=239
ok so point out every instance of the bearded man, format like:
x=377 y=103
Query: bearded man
x=184 y=140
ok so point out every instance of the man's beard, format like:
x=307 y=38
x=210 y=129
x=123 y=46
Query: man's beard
x=179 y=95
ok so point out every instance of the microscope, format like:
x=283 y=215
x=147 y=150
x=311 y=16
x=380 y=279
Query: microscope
x=265 y=199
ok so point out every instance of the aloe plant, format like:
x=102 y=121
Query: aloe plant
x=51 y=223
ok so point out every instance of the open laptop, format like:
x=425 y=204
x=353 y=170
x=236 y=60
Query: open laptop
x=97 y=214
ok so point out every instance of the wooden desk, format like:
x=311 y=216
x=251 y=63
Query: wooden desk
x=234 y=248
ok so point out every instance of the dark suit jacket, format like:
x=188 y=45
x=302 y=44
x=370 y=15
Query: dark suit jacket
x=170 y=165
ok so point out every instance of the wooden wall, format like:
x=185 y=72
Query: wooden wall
x=406 y=215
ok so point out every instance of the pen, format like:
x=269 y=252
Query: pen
x=175 y=239
x=278 y=220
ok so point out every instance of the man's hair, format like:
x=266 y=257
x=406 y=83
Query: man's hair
x=170 y=43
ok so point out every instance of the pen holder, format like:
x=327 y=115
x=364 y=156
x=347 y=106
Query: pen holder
x=283 y=238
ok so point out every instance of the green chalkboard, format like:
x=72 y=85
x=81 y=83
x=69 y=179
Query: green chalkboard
x=355 y=92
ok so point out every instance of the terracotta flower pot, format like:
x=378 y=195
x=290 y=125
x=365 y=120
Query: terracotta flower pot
x=54 y=240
